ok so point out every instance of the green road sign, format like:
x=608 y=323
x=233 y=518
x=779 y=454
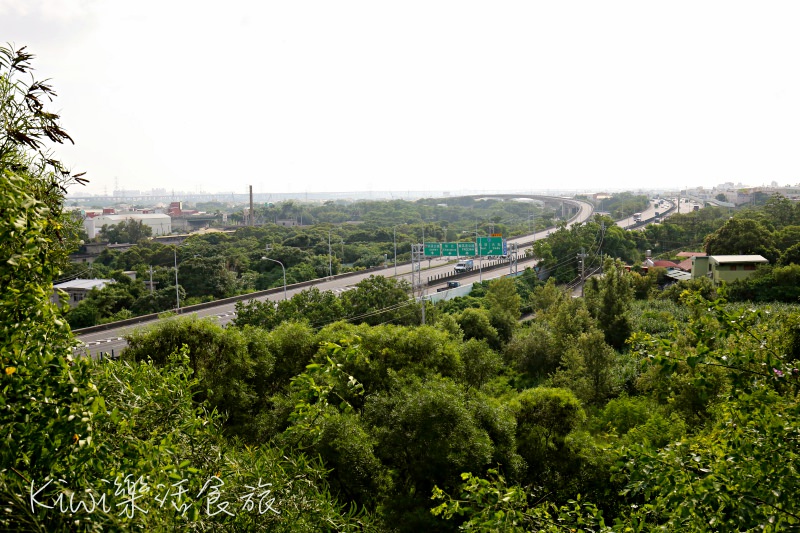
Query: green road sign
x=449 y=249
x=490 y=245
x=432 y=249
x=466 y=248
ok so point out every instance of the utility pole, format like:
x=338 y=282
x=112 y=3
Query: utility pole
x=512 y=259
x=602 y=236
x=582 y=261
x=417 y=251
x=477 y=254
x=177 y=295
x=151 y=280
x=330 y=260
x=252 y=215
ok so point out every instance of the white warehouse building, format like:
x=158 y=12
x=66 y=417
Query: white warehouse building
x=161 y=224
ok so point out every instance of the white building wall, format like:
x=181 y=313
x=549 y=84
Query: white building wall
x=160 y=224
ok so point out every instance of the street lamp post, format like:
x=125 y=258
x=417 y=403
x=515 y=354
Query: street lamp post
x=284 y=274
x=480 y=257
x=330 y=260
x=177 y=295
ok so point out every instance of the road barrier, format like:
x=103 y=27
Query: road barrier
x=223 y=301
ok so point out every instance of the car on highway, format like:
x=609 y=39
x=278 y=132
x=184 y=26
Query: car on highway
x=450 y=285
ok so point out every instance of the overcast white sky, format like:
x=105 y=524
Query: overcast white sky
x=331 y=95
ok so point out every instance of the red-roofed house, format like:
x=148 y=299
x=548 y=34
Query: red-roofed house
x=665 y=264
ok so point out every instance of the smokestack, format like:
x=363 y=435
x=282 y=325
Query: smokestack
x=252 y=217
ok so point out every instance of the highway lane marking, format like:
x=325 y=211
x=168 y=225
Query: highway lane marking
x=103 y=341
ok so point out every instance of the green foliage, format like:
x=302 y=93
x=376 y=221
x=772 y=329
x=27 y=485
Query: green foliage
x=319 y=308
x=703 y=286
x=292 y=345
x=738 y=476
x=741 y=236
x=481 y=363
x=768 y=284
x=503 y=303
x=558 y=321
x=378 y=300
x=490 y=505
x=233 y=367
x=476 y=324
x=586 y=368
x=534 y=350
x=561 y=460
x=624 y=204
x=545 y=416
x=258 y=313
x=316 y=389
x=389 y=349
x=130 y=231
x=639 y=420
x=657 y=317
x=781 y=211
x=790 y=256
x=202 y=276
x=113 y=299
x=389 y=412
x=645 y=285
x=735 y=474
x=608 y=299
x=48 y=402
x=427 y=432
x=547 y=296
x=324 y=423
x=558 y=253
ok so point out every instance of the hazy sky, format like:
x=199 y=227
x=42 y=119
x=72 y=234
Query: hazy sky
x=331 y=95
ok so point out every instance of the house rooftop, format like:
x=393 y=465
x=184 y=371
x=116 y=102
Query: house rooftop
x=679 y=275
x=738 y=259
x=87 y=284
x=664 y=264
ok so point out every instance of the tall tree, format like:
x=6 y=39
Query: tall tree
x=42 y=387
x=504 y=306
x=608 y=299
x=378 y=300
x=741 y=236
x=131 y=231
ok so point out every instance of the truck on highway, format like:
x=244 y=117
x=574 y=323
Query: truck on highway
x=637 y=217
x=465 y=266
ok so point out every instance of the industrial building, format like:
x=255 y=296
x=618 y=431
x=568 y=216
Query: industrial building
x=161 y=224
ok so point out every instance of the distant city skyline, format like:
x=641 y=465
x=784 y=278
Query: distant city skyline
x=359 y=96
x=242 y=198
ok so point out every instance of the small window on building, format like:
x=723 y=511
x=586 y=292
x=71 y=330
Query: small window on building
x=749 y=267
x=733 y=268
